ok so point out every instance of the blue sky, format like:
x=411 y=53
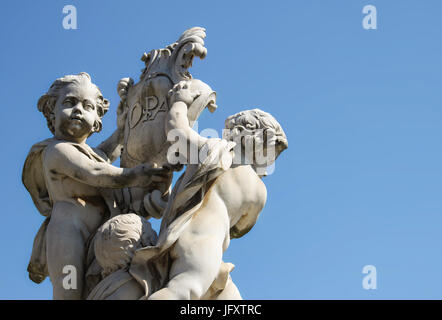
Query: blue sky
x=361 y=182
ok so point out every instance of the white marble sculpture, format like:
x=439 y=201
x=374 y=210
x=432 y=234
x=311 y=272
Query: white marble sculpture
x=97 y=214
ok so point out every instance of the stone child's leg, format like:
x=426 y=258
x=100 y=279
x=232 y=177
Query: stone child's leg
x=196 y=265
x=230 y=292
x=65 y=254
x=193 y=271
x=197 y=254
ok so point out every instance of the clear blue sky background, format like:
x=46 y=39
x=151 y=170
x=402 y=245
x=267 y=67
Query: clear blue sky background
x=361 y=182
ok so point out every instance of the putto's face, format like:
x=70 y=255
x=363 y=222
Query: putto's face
x=76 y=111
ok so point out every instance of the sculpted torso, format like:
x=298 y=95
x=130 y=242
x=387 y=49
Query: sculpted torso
x=237 y=197
x=244 y=195
x=72 y=199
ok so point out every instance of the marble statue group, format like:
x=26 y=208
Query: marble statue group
x=97 y=214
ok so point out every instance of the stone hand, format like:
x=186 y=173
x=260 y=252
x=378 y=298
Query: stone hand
x=182 y=92
x=155 y=203
x=152 y=177
x=122 y=89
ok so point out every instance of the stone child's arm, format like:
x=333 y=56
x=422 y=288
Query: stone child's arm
x=177 y=123
x=113 y=145
x=66 y=159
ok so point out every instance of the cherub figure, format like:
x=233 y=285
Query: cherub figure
x=212 y=202
x=69 y=181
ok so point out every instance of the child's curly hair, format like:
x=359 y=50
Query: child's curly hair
x=117 y=239
x=256 y=125
x=47 y=102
